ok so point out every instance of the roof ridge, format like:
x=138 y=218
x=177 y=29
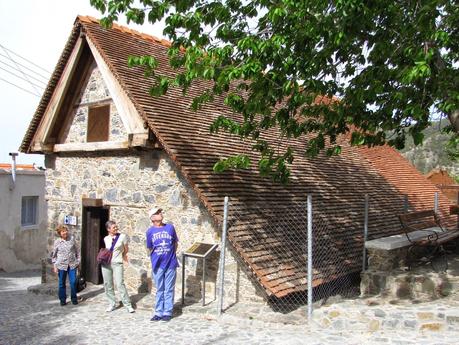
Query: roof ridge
x=128 y=30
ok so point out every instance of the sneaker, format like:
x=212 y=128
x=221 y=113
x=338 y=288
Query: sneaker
x=156 y=318
x=110 y=308
x=167 y=318
x=74 y=302
x=130 y=310
x=63 y=303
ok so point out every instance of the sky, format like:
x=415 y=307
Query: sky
x=36 y=30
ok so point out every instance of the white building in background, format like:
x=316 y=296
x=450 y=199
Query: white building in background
x=23 y=214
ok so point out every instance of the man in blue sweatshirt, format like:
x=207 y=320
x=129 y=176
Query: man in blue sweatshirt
x=162 y=242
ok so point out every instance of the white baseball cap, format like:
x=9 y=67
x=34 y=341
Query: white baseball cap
x=154 y=210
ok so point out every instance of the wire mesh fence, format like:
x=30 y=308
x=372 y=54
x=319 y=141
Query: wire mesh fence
x=302 y=253
x=337 y=261
x=272 y=240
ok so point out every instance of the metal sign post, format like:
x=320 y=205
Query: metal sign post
x=200 y=251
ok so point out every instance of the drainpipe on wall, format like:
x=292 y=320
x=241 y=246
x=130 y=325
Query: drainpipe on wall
x=13 y=170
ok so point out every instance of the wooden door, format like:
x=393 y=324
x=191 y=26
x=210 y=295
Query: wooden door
x=93 y=233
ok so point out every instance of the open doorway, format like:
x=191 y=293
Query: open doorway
x=92 y=239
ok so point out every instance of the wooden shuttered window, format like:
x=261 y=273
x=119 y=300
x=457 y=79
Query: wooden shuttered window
x=98 y=123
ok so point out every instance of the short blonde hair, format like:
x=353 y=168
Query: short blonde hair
x=61 y=228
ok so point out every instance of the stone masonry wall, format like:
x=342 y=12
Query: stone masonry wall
x=130 y=185
x=94 y=91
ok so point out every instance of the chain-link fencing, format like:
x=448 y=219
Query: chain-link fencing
x=272 y=241
x=306 y=252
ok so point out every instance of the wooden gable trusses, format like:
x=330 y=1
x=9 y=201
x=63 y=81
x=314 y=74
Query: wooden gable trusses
x=56 y=118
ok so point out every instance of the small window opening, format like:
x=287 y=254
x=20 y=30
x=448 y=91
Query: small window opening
x=29 y=210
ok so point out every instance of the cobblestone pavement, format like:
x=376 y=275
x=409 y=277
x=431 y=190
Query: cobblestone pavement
x=28 y=318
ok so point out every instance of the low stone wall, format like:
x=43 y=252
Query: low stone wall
x=398 y=284
x=388 y=276
x=386 y=260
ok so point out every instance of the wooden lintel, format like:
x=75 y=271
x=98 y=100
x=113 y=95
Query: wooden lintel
x=98 y=103
x=88 y=202
x=91 y=147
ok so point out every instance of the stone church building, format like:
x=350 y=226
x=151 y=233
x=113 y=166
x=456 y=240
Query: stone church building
x=112 y=151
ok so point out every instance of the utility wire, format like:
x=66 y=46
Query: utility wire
x=25 y=76
x=18 y=76
x=6 y=81
x=12 y=52
x=32 y=77
x=31 y=70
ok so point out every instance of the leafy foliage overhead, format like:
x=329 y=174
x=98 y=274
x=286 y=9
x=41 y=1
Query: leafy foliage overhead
x=310 y=66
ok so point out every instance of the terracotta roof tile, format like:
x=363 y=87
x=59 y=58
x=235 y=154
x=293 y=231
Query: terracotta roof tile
x=271 y=247
x=7 y=166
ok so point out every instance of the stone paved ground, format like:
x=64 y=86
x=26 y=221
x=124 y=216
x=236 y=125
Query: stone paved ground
x=28 y=318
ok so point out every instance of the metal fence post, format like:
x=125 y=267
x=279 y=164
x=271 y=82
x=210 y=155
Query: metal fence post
x=221 y=265
x=405 y=203
x=310 y=256
x=436 y=202
x=365 y=233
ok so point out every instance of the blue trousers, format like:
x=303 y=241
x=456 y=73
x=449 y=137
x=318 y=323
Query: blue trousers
x=165 y=288
x=62 y=280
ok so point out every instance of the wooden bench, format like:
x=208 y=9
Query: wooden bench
x=430 y=247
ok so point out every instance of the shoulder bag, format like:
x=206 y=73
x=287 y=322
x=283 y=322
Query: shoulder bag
x=104 y=257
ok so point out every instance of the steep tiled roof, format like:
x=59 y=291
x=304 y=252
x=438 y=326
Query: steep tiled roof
x=267 y=233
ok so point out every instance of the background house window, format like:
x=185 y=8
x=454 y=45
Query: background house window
x=98 y=123
x=29 y=210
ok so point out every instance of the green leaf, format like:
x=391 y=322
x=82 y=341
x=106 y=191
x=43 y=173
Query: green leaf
x=235 y=162
x=306 y=70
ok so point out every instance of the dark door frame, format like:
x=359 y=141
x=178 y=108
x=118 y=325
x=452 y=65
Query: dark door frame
x=93 y=231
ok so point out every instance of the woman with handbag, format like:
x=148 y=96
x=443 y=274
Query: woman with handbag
x=113 y=272
x=66 y=259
